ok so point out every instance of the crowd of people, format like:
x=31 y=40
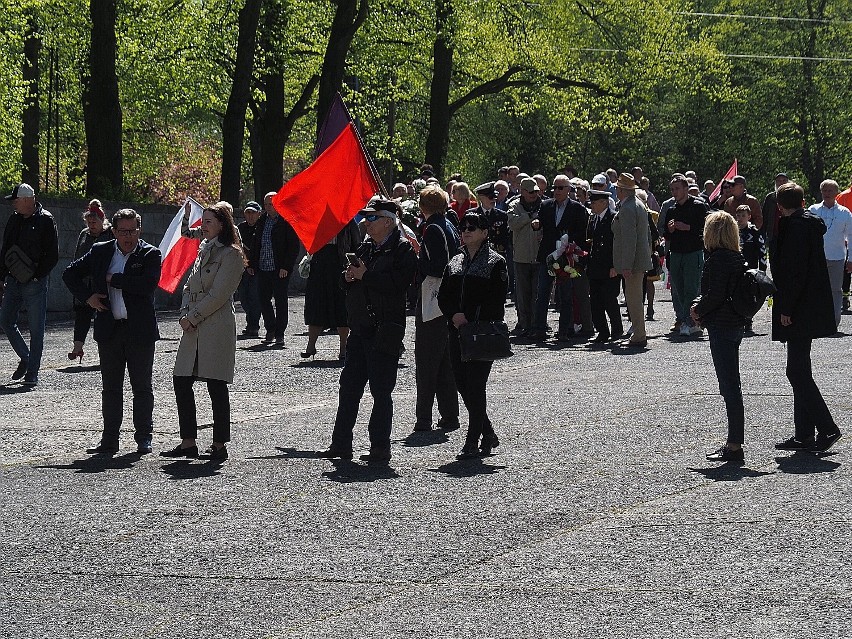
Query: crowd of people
x=569 y=242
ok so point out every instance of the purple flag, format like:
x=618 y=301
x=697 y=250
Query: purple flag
x=336 y=120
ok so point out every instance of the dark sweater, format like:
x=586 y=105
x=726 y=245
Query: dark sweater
x=722 y=269
x=691 y=212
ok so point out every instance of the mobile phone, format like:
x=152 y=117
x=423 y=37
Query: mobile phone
x=353 y=259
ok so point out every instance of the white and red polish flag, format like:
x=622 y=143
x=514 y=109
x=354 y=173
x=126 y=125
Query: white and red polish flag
x=179 y=252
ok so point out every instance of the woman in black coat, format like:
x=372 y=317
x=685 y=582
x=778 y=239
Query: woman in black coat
x=713 y=310
x=473 y=287
x=802 y=310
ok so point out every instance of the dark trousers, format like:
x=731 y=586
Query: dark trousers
x=219 y=399
x=250 y=301
x=810 y=412
x=725 y=350
x=118 y=353
x=83 y=315
x=365 y=365
x=271 y=286
x=603 y=297
x=433 y=372
x=565 y=300
x=471 y=380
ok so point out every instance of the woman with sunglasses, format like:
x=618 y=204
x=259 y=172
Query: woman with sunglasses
x=208 y=346
x=474 y=287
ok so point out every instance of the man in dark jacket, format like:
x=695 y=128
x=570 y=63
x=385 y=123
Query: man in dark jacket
x=432 y=370
x=684 y=231
x=604 y=281
x=118 y=279
x=558 y=216
x=272 y=259
x=30 y=237
x=375 y=306
x=802 y=310
x=248 y=291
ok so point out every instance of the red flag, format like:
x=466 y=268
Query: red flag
x=319 y=201
x=179 y=252
x=730 y=174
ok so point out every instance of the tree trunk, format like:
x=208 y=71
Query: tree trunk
x=348 y=18
x=437 y=140
x=101 y=106
x=31 y=114
x=234 y=122
x=271 y=128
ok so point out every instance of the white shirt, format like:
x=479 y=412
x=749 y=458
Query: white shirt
x=838 y=221
x=116 y=297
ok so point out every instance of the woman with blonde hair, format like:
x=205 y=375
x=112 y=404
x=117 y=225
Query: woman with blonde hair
x=208 y=346
x=714 y=311
x=462 y=199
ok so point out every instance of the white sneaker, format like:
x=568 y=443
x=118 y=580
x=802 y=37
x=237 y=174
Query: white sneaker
x=685 y=330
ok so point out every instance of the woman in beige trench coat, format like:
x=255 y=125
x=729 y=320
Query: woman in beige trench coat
x=208 y=345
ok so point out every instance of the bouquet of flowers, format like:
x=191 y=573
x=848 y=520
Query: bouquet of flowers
x=562 y=262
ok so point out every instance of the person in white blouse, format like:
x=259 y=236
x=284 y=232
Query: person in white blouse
x=838 y=222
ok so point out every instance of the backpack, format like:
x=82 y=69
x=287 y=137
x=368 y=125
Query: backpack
x=751 y=289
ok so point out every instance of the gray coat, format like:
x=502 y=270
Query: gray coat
x=525 y=241
x=209 y=351
x=631 y=243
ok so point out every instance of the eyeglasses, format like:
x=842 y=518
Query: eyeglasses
x=372 y=217
x=126 y=232
x=470 y=228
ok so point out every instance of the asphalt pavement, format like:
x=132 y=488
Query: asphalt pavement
x=598 y=516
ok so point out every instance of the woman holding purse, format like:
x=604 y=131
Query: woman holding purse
x=473 y=287
x=207 y=349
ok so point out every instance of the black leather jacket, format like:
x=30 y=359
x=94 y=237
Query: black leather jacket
x=36 y=236
x=380 y=295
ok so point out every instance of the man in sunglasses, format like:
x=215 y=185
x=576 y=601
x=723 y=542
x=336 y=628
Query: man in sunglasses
x=376 y=282
x=118 y=279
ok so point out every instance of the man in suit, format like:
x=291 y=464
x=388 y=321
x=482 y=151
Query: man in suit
x=124 y=274
x=604 y=281
x=558 y=216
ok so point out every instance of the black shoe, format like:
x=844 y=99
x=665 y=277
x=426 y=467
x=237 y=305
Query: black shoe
x=518 y=330
x=489 y=442
x=469 y=451
x=643 y=343
x=422 y=428
x=103 y=449
x=377 y=456
x=794 y=444
x=334 y=453
x=726 y=454
x=444 y=424
x=177 y=451
x=823 y=442
x=601 y=338
x=270 y=337
x=649 y=315
x=250 y=333
x=537 y=336
x=216 y=454
x=616 y=336
x=308 y=352
x=144 y=447
x=20 y=371
x=31 y=379
x=566 y=337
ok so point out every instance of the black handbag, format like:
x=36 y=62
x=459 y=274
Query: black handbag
x=482 y=341
x=19 y=264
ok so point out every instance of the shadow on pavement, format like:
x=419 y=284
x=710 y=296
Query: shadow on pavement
x=419 y=439
x=348 y=472
x=186 y=469
x=803 y=463
x=467 y=468
x=14 y=390
x=77 y=368
x=289 y=453
x=319 y=363
x=730 y=471
x=98 y=463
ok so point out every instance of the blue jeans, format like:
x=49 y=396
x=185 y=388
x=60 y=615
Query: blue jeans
x=363 y=365
x=725 y=350
x=250 y=300
x=566 y=302
x=33 y=294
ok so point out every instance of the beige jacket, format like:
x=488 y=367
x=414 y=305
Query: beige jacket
x=525 y=241
x=631 y=242
x=209 y=351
